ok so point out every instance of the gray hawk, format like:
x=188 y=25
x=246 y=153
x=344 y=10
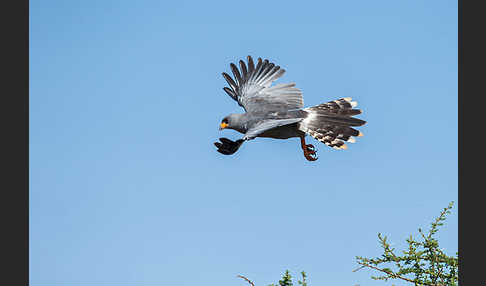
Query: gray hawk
x=278 y=111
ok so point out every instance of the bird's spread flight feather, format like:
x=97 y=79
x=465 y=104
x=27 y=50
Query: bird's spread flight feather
x=253 y=90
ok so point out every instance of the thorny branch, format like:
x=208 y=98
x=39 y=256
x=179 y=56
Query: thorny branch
x=382 y=270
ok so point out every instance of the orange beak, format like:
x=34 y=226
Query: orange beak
x=223 y=125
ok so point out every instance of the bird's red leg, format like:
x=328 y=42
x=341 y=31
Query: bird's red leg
x=309 y=151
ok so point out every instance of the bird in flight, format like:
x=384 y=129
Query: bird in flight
x=277 y=111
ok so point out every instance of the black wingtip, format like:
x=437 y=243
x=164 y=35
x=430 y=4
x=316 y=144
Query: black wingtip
x=244 y=72
x=251 y=65
x=236 y=73
x=230 y=81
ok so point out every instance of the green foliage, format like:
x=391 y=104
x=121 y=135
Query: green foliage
x=303 y=282
x=287 y=280
x=423 y=263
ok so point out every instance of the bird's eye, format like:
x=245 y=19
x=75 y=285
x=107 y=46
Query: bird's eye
x=225 y=121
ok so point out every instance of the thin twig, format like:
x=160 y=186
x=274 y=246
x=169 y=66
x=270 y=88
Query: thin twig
x=438 y=275
x=247 y=280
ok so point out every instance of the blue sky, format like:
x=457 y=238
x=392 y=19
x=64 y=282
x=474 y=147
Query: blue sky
x=126 y=187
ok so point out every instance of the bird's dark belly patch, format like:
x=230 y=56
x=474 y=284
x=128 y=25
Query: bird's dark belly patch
x=283 y=132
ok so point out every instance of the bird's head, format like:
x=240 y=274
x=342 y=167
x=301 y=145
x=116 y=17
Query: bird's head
x=232 y=121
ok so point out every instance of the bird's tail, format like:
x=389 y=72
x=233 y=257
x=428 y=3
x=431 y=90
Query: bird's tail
x=331 y=122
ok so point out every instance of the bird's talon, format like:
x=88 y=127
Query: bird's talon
x=311 y=158
x=310 y=148
x=310 y=155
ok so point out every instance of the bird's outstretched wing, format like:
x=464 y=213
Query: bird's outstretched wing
x=268 y=124
x=253 y=91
